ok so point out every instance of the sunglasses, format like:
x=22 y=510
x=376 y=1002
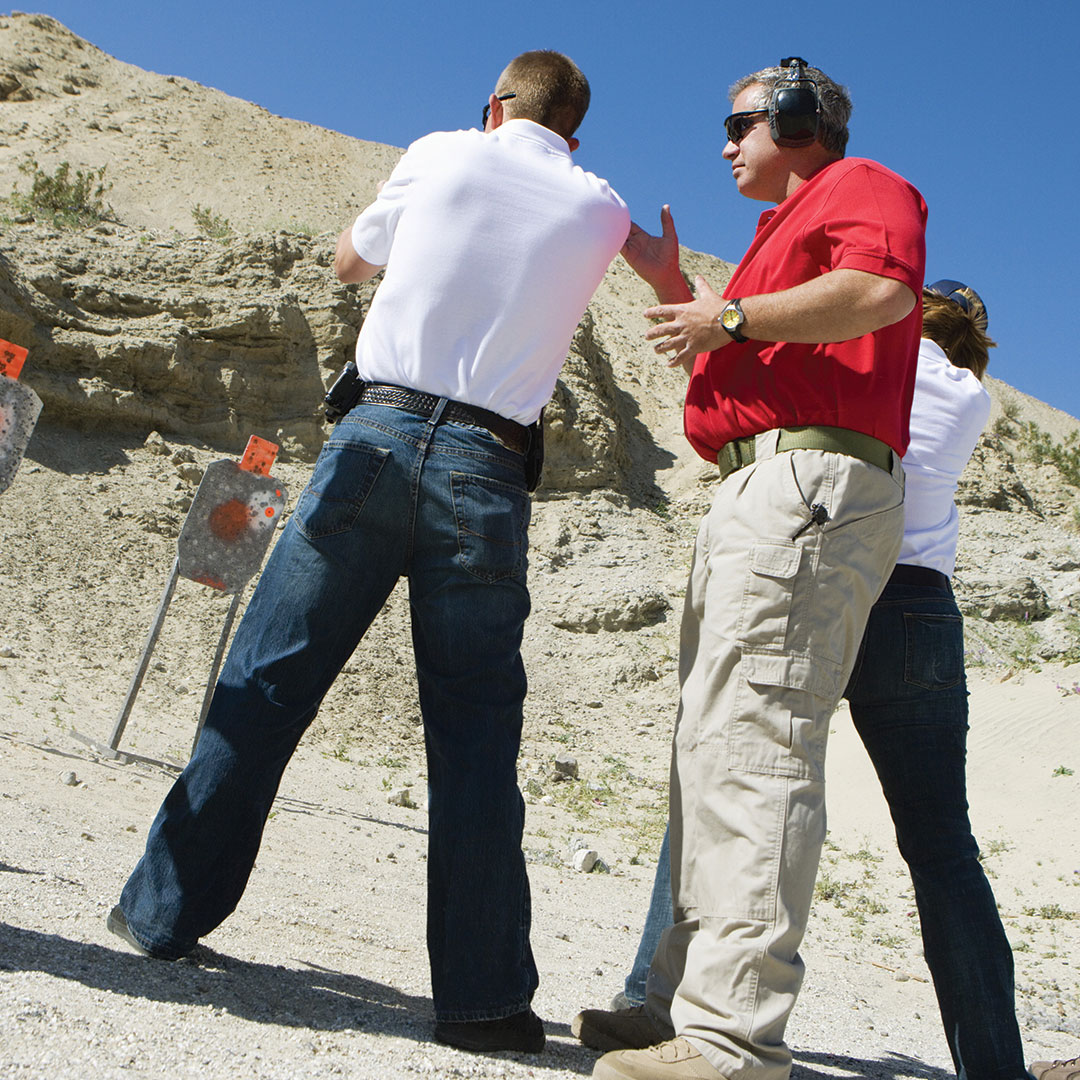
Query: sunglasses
x=487 y=109
x=738 y=124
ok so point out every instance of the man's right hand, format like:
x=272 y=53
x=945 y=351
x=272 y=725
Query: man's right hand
x=656 y=259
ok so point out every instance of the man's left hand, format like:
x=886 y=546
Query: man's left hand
x=691 y=328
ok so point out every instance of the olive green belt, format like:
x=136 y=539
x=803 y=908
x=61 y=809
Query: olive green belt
x=739 y=452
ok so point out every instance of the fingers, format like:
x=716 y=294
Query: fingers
x=667 y=223
x=704 y=288
x=662 y=330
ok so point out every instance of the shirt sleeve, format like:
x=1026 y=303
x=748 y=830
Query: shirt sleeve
x=876 y=222
x=373 y=231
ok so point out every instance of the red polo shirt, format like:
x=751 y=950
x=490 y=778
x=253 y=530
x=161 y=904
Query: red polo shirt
x=851 y=214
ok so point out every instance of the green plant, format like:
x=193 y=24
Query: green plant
x=1003 y=427
x=1042 y=449
x=214 y=226
x=1049 y=911
x=1025 y=654
x=889 y=941
x=832 y=889
x=992 y=848
x=68 y=201
x=1011 y=408
x=1062 y=770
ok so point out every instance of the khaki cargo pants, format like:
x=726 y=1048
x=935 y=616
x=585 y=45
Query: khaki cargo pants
x=775 y=610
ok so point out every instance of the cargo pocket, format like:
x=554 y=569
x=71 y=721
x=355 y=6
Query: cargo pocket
x=766 y=604
x=779 y=723
x=492 y=526
x=933 y=650
x=343 y=478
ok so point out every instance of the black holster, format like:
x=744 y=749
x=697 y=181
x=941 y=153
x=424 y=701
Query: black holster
x=342 y=397
x=534 y=456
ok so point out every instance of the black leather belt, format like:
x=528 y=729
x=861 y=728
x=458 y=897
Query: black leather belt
x=922 y=576
x=510 y=433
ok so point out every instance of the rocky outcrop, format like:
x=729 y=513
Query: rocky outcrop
x=185 y=335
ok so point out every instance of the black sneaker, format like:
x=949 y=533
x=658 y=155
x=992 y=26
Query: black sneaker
x=117 y=924
x=524 y=1032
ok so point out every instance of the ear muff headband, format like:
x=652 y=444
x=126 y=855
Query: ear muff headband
x=794 y=106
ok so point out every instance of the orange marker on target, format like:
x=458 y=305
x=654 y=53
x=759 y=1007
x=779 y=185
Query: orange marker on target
x=12 y=358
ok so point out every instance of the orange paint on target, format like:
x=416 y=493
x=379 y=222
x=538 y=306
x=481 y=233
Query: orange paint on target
x=230 y=520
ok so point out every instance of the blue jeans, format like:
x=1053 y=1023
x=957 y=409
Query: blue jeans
x=392 y=494
x=908 y=698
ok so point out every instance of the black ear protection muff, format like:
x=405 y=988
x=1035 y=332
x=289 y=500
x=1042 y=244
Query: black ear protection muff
x=794 y=106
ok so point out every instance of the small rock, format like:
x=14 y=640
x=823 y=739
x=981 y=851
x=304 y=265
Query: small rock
x=585 y=860
x=190 y=471
x=69 y=778
x=156 y=444
x=566 y=765
x=8 y=652
x=402 y=797
x=902 y=976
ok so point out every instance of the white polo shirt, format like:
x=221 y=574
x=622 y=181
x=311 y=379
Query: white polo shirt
x=948 y=413
x=493 y=246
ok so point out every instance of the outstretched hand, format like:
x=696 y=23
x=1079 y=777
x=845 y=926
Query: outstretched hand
x=656 y=258
x=690 y=328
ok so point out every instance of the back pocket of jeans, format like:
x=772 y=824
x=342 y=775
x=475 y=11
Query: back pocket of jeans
x=343 y=478
x=492 y=525
x=934 y=650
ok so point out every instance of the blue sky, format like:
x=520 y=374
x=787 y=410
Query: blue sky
x=972 y=105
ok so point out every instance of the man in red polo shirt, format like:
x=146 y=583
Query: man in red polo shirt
x=801 y=378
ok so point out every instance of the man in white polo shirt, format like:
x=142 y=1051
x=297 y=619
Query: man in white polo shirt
x=493 y=243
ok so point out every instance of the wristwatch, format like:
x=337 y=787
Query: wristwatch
x=732 y=319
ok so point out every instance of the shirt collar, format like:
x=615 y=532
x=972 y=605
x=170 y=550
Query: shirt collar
x=529 y=129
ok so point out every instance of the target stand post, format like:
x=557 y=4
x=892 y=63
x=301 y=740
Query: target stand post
x=222 y=544
x=20 y=408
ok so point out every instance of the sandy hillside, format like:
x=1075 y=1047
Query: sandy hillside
x=322 y=970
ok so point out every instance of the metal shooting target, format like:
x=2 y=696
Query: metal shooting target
x=19 y=411
x=229 y=526
x=222 y=544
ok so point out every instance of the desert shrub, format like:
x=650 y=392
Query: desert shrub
x=69 y=201
x=214 y=226
x=1042 y=449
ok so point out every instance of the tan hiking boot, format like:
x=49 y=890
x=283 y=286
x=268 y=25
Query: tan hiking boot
x=676 y=1059
x=619 y=1029
x=1056 y=1070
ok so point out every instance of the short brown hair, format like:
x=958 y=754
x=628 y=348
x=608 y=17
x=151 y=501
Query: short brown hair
x=550 y=90
x=962 y=334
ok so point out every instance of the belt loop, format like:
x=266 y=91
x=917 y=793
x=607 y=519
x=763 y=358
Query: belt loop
x=765 y=443
x=433 y=422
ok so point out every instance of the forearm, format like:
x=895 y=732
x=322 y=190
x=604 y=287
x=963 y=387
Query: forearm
x=672 y=290
x=837 y=306
x=348 y=265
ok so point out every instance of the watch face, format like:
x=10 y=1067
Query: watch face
x=731 y=318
